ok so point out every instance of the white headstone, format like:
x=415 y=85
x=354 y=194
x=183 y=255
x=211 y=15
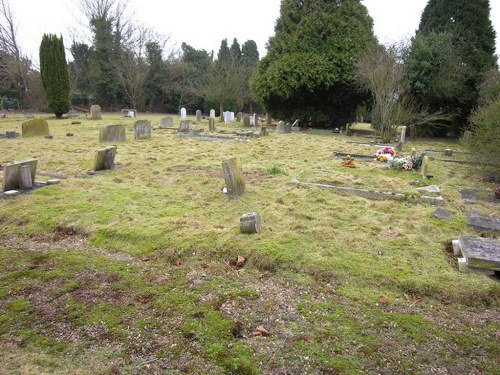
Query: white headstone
x=232 y=116
x=255 y=120
x=183 y=113
x=227 y=117
x=212 y=113
x=131 y=114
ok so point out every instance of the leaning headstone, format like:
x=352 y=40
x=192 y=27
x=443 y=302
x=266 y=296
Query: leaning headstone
x=347 y=129
x=233 y=175
x=12 y=173
x=246 y=121
x=425 y=167
x=95 y=112
x=198 y=115
x=239 y=117
x=280 y=128
x=212 y=113
x=35 y=127
x=142 y=129
x=113 y=133
x=479 y=253
x=184 y=127
x=211 y=124
x=288 y=127
x=402 y=138
x=183 y=113
x=105 y=158
x=166 y=122
x=250 y=223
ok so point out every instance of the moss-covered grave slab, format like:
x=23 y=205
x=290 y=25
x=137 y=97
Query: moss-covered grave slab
x=36 y=127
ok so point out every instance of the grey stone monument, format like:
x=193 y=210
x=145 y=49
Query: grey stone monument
x=246 y=121
x=95 y=112
x=142 y=129
x=113 y=133
x=280 y=128
x=185 y=126
x=198 y=115
x=212 y=113
x=233 y=176
x=239 y=116
x=211 y=124
x=105 y=158
x=250 y=223
x=166 y=122
x=35 y=127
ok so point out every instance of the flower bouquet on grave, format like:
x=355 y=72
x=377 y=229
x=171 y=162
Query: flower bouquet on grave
x=405 y=164
x=385 y=154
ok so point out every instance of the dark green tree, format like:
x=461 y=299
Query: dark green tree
x=249 y=61
x=308 y=70
x=79 y=70
x=155 y=95
x=453 y=48
x=54 y=72
x=235 y=49
x=250 y=53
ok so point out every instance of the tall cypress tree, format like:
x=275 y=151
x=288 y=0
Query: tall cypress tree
x=54 y=73
x=467 y=27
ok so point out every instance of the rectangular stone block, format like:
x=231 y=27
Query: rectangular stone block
x=34 y=128
x=113 y=133
x=105 y=158
x=11 y=173
x=142 y=129
x=95 y=112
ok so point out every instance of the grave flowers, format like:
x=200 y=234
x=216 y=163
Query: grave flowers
x=385 y=154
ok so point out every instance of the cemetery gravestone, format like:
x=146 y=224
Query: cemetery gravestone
x=105 y=158
x=183 y=113
x=280 y=128
x=232 y=116
x=142 y=129
x=268 y=119
x=212 y=113
x=184 y=127
x=239 y=116
x=211 y=124
x=233 y=175
x=425 y=167
x=263 y=131
x=246 y=121
x=12 y=174
x=250 y=223
x=166 y=122
x=113 y=133
x=448 y=152
x=227 y=117
x=288 y=128
x=198 y=115
x=95 y=112
x=35 y=127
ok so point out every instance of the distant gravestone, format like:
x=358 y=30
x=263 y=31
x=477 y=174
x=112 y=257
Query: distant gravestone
x=425 y=167
x=269 y=120
x=12 y=173
x=250 y=223
x=467 y=137
x=211 y=124
x=166 y=122
x=212 y=113
x=448 y=152
x=246 y=121
x=142 y=129
x=263 y=131
x=95 y=112
x=131 y=113
x=280 y=128
x=255 y=120
x=183 y=113
x=288 y=127
x=10 y=134
x=185 y=126
x=113 y=133
x=35 y=127
x=198 y=115
x=227 y=117
x=233 y=176
x=347 y=129
x=105 y=158
x=442 y=214
x=232 y=116
x=239 y=117
x=402 y=138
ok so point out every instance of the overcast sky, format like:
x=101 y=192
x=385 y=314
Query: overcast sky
x=203 y=24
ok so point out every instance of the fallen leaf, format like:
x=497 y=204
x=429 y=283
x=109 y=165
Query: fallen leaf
x=241 y=261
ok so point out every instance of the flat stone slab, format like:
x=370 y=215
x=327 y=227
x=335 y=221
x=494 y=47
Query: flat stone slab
x=442 y=214
x=482 y=253
x=474 y=195
x=483 y=222
x=430 y=189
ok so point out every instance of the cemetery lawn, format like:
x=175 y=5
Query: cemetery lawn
x=134 y=270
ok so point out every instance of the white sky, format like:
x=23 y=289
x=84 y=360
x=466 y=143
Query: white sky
x=203 y=24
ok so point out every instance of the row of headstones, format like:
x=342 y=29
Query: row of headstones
x=282 y=128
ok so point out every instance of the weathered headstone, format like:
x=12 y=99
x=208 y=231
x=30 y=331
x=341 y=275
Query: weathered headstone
x=35 y=127
x=250 y=223
x=185 y=126
x=402 y=138
x=442 y=214
x=347 y=129
x=166 y=122
x=246 y=121
x=198 y=115
x=95 y=112
x=239 y=117
x=288 y=127
x=131 y=113
x=227 y=117
x=212 y=113
x=425 y=167
x=12 y=173
x=280 y=128
x=269 y=120
x=142 y=129
x=479 y=253
x=233 y=175
x=113 y=133
x=25 y=181
x=105 y=158
x=211 y=124
x=483 y=222
x=183 y=113
x=448 y=152
x=466 y=137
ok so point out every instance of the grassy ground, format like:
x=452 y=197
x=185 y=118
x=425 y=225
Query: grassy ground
x=133 y=271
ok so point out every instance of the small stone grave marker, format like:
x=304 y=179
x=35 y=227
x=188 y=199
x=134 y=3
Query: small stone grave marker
x=280 y=127
x=239 y=117
x=212 y=113
x=227 y=117
x=211 y=124
x=142 y=129
x=483 y=222
x=183 y=113
x=113 y=133
x=105 y=158
x=35 y=127
x=233 y=175
x=425 y=167
x=246 y=121
x=12 y=174
x=95 y=112
x=479 y=253
x=198 y=115
x=288 y=127
x=185 y=126
x=250 y=223
x=263 y=131
x=166 y=122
